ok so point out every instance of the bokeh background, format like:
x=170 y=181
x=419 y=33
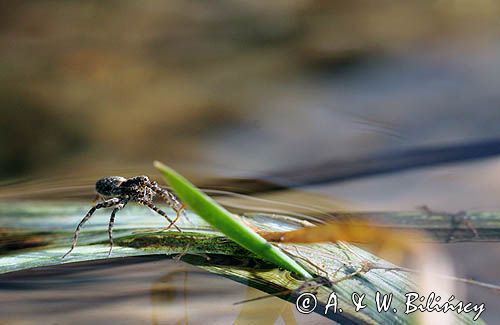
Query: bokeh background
x=240 y=88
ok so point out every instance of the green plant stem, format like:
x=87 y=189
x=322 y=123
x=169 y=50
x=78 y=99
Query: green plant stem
x=221 y=219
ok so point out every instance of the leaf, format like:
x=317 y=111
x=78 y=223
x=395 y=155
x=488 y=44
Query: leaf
x=139 y=233
x=223 y=220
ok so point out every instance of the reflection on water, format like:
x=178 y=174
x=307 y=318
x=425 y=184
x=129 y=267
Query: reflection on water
x=136 y=290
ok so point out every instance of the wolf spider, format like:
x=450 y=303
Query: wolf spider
x=117 y=191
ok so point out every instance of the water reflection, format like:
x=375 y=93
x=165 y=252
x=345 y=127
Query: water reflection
x=153 y=289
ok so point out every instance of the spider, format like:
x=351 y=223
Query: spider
x=117 y=191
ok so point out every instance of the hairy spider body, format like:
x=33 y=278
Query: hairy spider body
x=110 y=186
x=117 y=191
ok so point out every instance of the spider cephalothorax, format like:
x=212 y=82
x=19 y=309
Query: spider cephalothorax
x=135 y=188
x=117 y=191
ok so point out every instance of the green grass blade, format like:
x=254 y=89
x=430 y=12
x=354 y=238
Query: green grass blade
x=221 y=219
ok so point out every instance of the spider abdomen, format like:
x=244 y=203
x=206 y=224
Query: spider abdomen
x=109 y=185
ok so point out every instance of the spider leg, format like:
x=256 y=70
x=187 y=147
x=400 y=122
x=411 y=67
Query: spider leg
x=160 y=212
x=105 y=204
x=170 y=198
x=111 y=223
x=175 y=220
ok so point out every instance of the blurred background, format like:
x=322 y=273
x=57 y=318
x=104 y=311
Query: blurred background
x=247 y=88
x=376 y=106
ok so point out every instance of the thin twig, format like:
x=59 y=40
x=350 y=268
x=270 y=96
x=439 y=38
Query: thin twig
x=299 y=256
